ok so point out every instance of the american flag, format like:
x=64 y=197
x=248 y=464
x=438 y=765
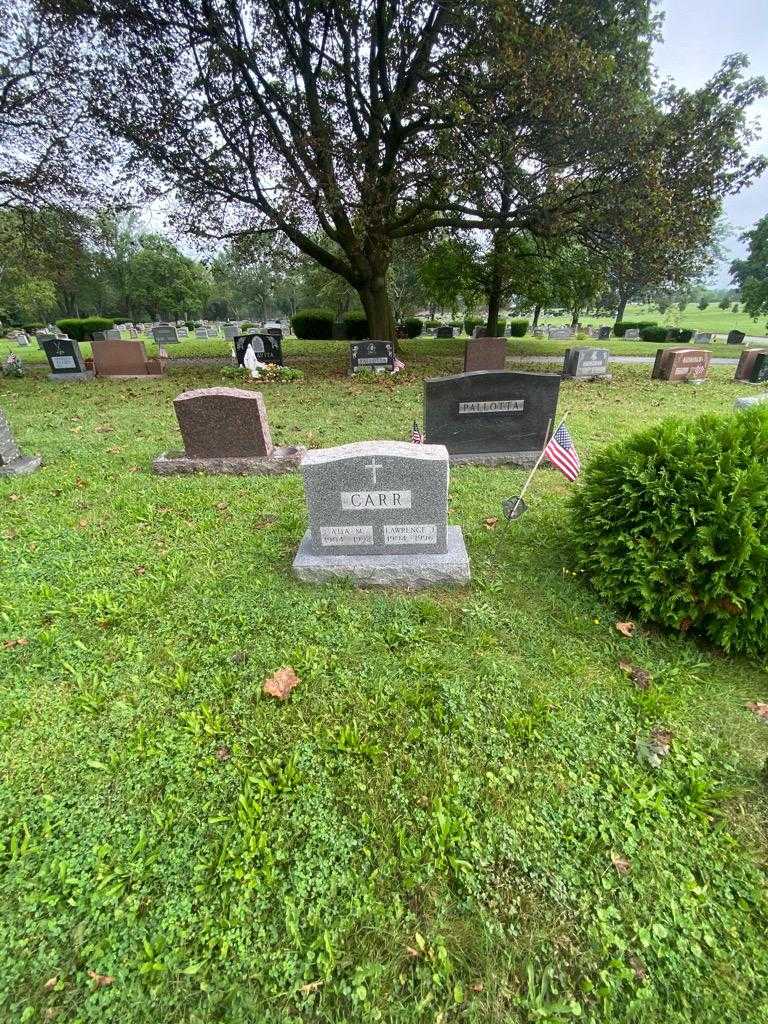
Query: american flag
x=416 y=435
x=562 y=453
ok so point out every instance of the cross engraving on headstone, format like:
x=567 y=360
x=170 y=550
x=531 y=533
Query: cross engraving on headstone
x=373 y=466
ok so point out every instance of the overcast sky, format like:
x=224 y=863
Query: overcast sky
x=697 y=35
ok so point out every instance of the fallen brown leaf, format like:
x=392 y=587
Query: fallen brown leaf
x=759 y=708
x=626 y=628
x=223 y=753
x=134 y=469
x=19 y=642
x=640 y=677
x=311 y=986
x=82 y=523
x=140 y=570
x=621 y=864
x=490 y=522
x=281 y=683
x=79 y=482
x=100 y=980
x=10 y=535
x=412 y=952
x=222 y=506
x=477 y=986
x=14 y=497
x=51 y=983
x=266 y=521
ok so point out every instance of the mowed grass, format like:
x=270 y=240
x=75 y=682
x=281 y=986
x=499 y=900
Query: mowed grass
x=446 y=821
x=336 y=353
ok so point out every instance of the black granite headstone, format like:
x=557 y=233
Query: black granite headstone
x=444 y=332
x=603 y=333
x=491 y=416
x=371 y=355
x=64 y=358
x=266 y=347
x=760 y=369
x=272 y=343
x=736 y=337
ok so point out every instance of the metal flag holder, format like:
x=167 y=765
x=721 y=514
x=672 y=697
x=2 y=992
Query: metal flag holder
x=514 y=507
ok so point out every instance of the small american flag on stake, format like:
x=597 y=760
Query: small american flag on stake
x=416 y=435
x=562 y=453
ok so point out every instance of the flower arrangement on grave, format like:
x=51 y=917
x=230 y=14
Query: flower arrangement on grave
x=13 y=366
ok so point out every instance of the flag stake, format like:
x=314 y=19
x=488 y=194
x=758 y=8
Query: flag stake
x=536 y=465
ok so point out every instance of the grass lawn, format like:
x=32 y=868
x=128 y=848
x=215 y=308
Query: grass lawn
x=417 y=349
x=446 y=821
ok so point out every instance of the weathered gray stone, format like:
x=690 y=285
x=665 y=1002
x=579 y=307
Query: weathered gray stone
x=406 y=572
x=378 y=515
x=12 y=462
x=747 y=401
x=281 y=460
x=586 y=363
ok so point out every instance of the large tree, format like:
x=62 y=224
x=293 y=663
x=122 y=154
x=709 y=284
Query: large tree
x=751 y=273
x=351 y=124
x=50 y=150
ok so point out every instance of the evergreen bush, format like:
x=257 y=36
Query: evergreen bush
x=82 y=328
x=356 y=326
x=471 y=322
x=622 y=326
x=518 y=328
x=312 y=324
x=413 y=326
x=680 y=336
x=669 y=525
x=655 y=334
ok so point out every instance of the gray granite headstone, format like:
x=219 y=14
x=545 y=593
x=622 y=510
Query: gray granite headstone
x=165 y=334
x=230 y=330
x=22 y=340
x=561 y=334
x=702 y=338
x=201 y=332
x=586 y=363
x=491 y=417
x=444 y=332
x=632 y=334
x=65 y=359
x=12 y=462
x=113 y=334
x=378 y=513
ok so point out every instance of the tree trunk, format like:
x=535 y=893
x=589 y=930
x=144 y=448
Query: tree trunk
x=494 y=301
x=378 y=310
x=536 y=315
x=575 y=318
x=623 y=299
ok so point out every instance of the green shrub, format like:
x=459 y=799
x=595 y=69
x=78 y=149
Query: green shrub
x=190 y=325
x=82 y=328
x=312 y=324
x=413 y=327
x=621 y=326
x=518 y=328
x=471 y=322
x=356 y=326
x=246 y=325
x=33 y=328
x=669 y=524
x=431 y=325
x=679 y=335
x=655 y=334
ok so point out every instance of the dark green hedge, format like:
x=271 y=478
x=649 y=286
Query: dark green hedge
x=356 y=326
x=621 y=326
x=679 y=336
x=655 y=334
x=670 y=525
x=518 y=328
x=471 y=322
x=313 y=324
x=82 y=328
x=413 y=326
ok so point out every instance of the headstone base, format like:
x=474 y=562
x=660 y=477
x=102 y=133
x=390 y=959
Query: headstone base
x=23 y=466
x=59 y=377
x=406 y=572
x=594 y=377
x=526 y=460
x=282 y=460
x=129 y=376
